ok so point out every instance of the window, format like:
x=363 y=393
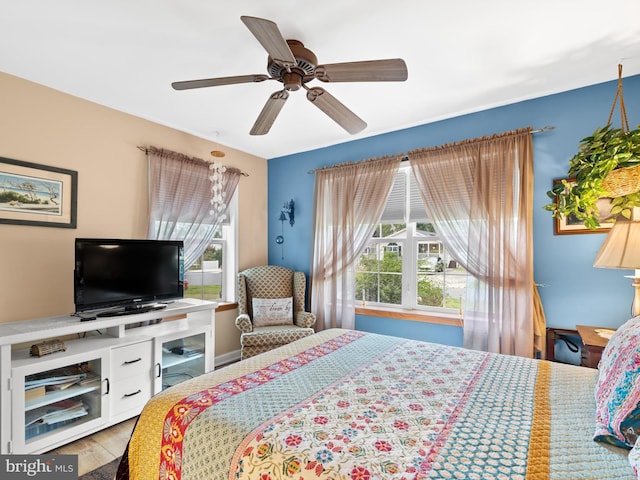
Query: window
x=406 y=264
x=212 y=276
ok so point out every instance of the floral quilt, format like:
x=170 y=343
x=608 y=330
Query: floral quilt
x=351 y=405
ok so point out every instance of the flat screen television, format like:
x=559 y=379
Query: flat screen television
x=126 y=275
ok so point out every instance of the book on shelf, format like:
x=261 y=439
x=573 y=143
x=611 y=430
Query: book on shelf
x=53 y=380
x=34 y=392
x=55 y=412
x=38 y=388
x=59 y=378
x=61 y=386
x=91 y=378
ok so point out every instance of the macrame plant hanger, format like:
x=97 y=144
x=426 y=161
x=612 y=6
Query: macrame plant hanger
x=619 y=97
x=621 y=181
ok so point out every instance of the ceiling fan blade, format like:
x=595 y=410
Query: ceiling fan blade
x=390 y=70
x=269 y=113
x=336 y=110
x=269 y=36
x=215 y=82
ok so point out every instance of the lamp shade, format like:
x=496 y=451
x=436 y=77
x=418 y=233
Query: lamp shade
x=621 y=248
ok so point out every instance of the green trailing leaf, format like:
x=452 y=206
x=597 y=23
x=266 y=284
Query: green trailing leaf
x=605 y=150
x=556 y=190
x=616 y=210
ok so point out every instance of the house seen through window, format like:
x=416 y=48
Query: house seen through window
x=405 y=263
x=211 y=277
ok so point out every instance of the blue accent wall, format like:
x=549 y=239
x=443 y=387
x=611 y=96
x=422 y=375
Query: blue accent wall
x=573 y=292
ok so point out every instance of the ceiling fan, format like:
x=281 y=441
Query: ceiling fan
x=294 y=65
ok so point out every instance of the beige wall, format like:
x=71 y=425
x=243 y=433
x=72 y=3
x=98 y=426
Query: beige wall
x=44 y=126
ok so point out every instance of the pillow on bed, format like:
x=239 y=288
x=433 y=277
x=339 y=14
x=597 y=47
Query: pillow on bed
x=617 y=388
x=272 y=311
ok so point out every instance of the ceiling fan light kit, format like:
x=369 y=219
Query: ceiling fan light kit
x=292 y=64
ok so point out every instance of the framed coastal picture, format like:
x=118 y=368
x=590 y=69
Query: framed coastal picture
x=571 y=225
x=37 y=195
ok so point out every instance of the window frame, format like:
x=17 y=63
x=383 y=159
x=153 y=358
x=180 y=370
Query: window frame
x=228 y=240
x=409 y=257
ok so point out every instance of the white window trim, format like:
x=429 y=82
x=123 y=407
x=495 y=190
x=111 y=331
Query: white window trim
x=230 y=251
x=409 y=262
x=228 y=241
x=409 y=294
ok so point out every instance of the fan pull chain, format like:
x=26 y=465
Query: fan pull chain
x=619 y=96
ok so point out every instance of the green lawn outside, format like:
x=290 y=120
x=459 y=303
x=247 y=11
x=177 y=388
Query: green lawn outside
x=206 y=292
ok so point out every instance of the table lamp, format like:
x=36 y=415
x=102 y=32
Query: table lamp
x=621 y=249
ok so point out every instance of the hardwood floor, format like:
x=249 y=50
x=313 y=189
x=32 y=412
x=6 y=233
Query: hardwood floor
x=100 y=448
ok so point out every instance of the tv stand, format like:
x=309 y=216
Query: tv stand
x=123 y=361
x=130 y=310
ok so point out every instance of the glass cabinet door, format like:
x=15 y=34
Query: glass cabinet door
x=182 y=358
x=56 y=401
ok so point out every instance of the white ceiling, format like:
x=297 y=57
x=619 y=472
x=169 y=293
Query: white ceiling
x=462 y=56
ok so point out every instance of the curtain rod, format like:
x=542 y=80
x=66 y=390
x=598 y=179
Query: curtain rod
x=545 y=129
x=146 y=150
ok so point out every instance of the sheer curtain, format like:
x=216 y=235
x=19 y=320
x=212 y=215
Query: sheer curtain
x=348 y=202
x=479 y=194
x=181 y=200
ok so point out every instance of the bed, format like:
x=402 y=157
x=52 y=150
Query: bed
x=344 y=404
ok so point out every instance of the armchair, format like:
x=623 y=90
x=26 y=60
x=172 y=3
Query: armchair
x=271 y=282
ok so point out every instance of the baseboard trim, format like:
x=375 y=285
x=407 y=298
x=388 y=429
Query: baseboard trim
x=226 y=358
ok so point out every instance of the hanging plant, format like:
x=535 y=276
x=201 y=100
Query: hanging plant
x=607 y=165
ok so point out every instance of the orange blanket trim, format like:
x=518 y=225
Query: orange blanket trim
x=538 y=463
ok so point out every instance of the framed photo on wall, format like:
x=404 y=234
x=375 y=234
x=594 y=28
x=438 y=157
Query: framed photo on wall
x=37 y=195
x=571 y=225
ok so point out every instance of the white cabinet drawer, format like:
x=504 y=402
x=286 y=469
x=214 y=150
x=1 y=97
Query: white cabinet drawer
x=131 y=360
x=128 y=396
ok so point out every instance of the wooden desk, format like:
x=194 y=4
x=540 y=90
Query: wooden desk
x=554 y=334
x=594 y=339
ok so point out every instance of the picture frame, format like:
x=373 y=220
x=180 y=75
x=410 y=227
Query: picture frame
x=570 y=225
x=37 y=195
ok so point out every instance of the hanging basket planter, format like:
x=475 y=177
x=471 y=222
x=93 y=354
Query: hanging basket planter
x=607 y=165
x=622 y=181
